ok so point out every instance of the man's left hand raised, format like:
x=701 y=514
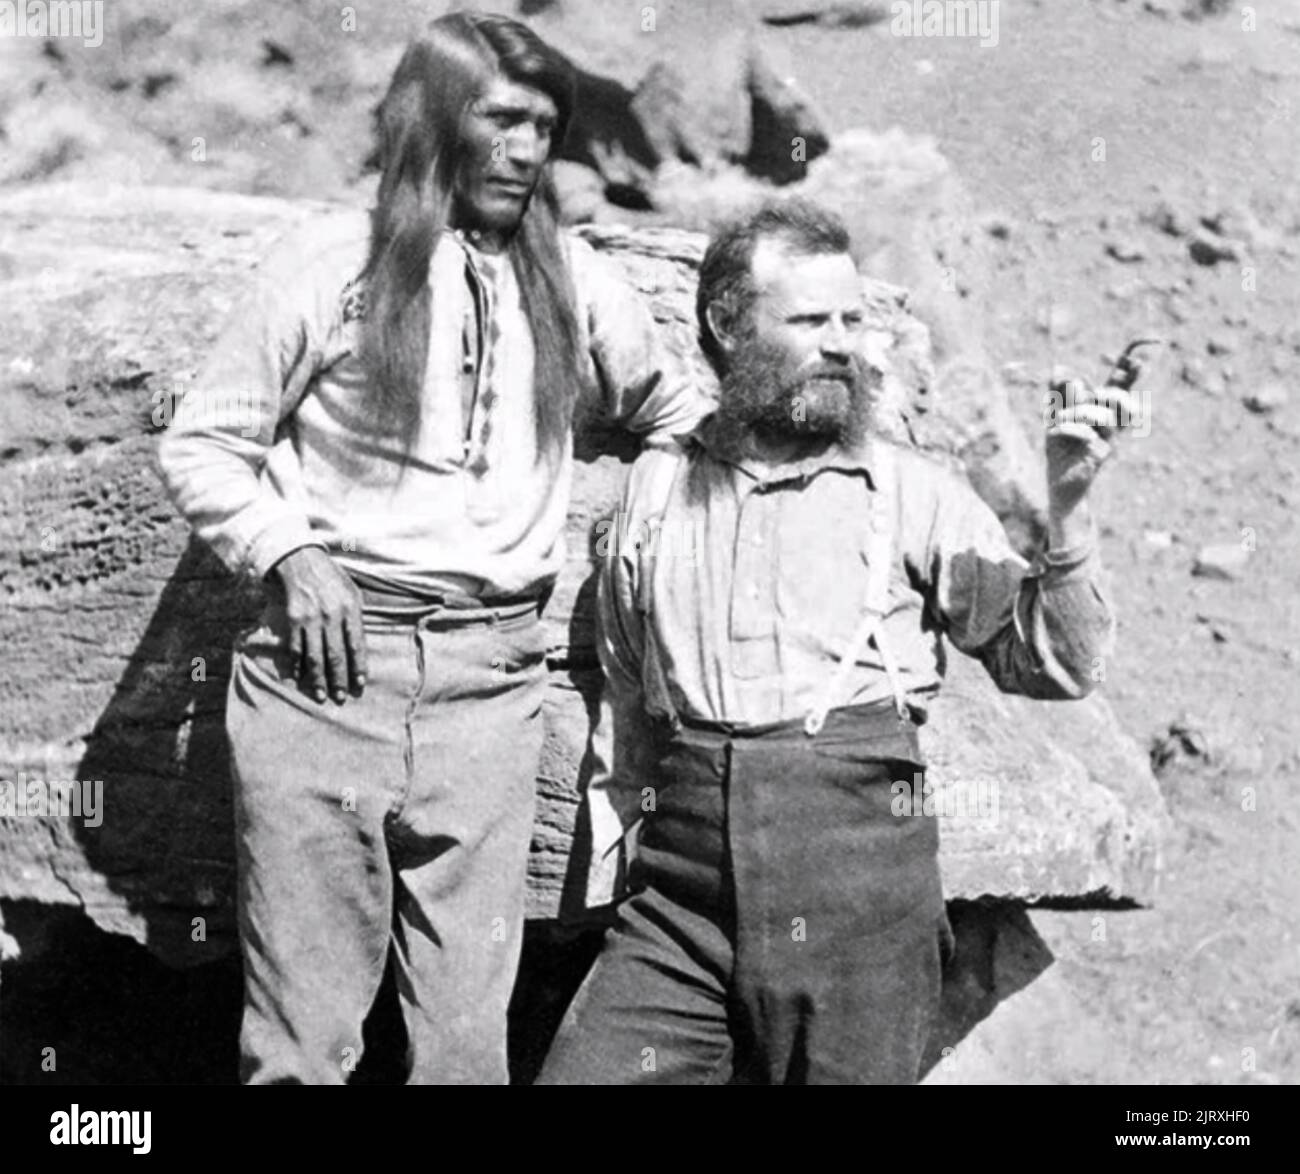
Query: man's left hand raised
x=1083 y=424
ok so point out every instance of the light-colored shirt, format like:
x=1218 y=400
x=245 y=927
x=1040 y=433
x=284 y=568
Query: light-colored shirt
x=274 y=448
x=729 y=592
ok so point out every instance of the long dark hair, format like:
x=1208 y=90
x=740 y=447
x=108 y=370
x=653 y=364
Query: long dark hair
x=417 y=126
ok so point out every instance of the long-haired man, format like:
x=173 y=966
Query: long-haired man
x=383 y=434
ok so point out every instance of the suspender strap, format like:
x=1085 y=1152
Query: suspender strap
x=659 y=701
x=880 y=555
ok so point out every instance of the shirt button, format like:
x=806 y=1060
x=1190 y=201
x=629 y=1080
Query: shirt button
x=753 y=591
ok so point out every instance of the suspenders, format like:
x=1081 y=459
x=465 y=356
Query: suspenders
x=880 y=553
x=653 y=678
x=879 y=557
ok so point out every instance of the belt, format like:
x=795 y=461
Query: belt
x=435 y=612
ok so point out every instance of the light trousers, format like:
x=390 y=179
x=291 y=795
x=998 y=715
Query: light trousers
x=399 y=820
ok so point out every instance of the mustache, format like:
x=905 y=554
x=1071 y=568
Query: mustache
x=851 y=374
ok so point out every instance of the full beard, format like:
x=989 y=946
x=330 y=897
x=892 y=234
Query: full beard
x=763 y=400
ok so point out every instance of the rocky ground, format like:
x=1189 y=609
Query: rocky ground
x=1108 y=170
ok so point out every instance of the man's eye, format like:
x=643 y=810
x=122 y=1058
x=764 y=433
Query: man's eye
x=853 y=321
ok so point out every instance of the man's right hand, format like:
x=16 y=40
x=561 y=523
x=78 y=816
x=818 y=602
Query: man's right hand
x=326 y=633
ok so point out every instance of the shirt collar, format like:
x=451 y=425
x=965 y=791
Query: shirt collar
x=845 y=460
x=485 y=266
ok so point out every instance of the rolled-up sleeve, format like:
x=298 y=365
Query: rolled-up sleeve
x=212 y=453
x=646 y=388
x=1041 y=629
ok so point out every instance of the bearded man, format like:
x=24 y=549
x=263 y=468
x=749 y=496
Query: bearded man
x=384 y=435
x=770 y=646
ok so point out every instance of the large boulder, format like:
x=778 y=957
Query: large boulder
x=676 y=81
x=117 y=627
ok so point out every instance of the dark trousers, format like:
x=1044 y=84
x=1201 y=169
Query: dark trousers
x=785 y=927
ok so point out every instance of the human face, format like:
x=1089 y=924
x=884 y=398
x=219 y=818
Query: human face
x=505 y=141
x=794 y=366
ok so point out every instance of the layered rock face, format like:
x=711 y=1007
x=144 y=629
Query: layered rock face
x=117 y=627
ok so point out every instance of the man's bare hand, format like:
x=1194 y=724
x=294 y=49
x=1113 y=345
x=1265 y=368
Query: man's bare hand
x=325 y=633
x=1083 y=424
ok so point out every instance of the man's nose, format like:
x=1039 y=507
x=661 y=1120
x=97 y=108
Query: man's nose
x=525 y=147
x=836 y=339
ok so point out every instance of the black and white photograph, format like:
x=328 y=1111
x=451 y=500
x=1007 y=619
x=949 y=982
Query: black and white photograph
x=707 y=542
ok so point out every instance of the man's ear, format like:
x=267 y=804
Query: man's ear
x=722 y=322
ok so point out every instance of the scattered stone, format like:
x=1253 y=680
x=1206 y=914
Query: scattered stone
x=155 y=83
x=1020 y=374
x=1268 y=397
x=1224 y=560
x=275 y=54
x=1214 y=626
x=1160 y=539
x=1194 y=372
x=998 y=227
x=1168 y=219
x=1183 y=740
x=1209 y=248
x=844 y=14
x=1126 y=250
x=701 y=89
x=1218 y=344
x=1200 y=9
x=1056 y=320
x=1238 y=222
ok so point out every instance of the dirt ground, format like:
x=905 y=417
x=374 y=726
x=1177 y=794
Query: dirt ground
x=1201 y=116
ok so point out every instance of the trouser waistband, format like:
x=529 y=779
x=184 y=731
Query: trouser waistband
x=867 y=720
x=442 y=612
